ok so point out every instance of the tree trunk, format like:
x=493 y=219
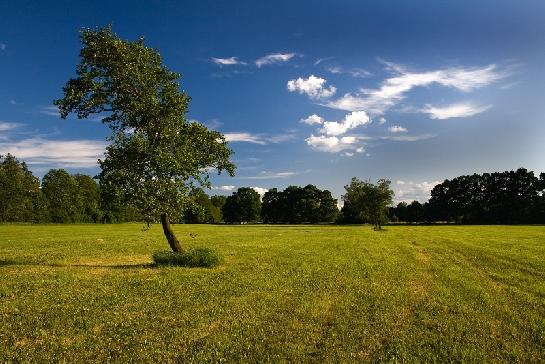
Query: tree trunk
x=169 y=234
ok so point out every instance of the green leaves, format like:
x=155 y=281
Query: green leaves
x=156 y=154
x=367 y=202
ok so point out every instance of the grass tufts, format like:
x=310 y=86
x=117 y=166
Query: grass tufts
x=196 y=257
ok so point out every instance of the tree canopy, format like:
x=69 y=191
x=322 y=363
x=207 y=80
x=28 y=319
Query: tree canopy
x=367 y=202
x=296 y=205
x=156 y=156
x=244 y=205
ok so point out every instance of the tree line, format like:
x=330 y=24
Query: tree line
x=59 y=198
x=511 y=197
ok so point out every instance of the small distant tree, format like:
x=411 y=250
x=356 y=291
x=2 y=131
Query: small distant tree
x=370 y=202
x=244 y=205
x=156 y=155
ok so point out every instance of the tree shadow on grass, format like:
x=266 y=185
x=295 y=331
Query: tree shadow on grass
x=114 y=266
x=10 y=262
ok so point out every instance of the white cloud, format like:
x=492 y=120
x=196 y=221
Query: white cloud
x=351 y=121
x=381 y=120
x=5 y=126
x=394 y=89
x=397 y=129
x=270 y=175
x=313 y=86
x=244 y=137
x=3 y=46
x=313 y=119
x=320 y=60
x=56 y=153
x=260 y=190
x=335 y=69
x=280 y=138
x=360 y=73
x=51 y=111
x=223 y=188
x=408 y=138
x=410 y=191
x=460 y=110
x=227 y=61
x=333 y=144
x=354 y=72
x=258 y=138
x=12 y=102
x=274 y=58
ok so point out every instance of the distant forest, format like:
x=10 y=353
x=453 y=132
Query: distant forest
x=511 y=197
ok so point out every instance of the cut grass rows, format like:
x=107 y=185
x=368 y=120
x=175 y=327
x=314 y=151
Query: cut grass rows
x=297 y=293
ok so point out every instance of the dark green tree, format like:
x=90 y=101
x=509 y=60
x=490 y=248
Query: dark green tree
x=273 y=207
x=401 y=211
x=156 y=155
x=369 y=202
x=20 y=196
x=218 y=202
x=415 y=212
x=244 y=205
x=89 y=196
x=201 y=210
x=62 y=193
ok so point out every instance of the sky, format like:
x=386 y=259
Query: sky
x=305 y=91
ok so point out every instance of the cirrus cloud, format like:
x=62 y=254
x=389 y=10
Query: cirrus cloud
x=460 y=110
x=394 y=89
x=397 y=129
x=274 y=58
x=227 y=61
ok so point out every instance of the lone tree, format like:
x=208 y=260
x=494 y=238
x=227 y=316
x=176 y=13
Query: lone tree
x=156 y=155
x=368 y=202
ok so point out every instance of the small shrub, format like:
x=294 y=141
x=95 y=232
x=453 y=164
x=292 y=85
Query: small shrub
x=196 y=257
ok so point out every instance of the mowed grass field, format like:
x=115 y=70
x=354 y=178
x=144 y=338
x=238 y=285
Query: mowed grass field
x=87 y=293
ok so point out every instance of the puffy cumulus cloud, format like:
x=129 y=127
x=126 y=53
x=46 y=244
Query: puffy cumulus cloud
x=351 y=121
x=313 y=86
x=410 y=191
x=460 y=110
x=381 y=120
x=313 y=119
x=274 y=58
x=397 y=129
x=394 y=89
x=223 y=188
x=56 y=153
x=227 y=61
x=333 y=144
x=260 y=190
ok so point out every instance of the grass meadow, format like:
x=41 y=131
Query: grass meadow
x=88 y=293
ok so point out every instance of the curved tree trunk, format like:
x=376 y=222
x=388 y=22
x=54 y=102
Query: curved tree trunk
x=169 y=234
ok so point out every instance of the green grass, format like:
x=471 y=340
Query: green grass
x=89 y=293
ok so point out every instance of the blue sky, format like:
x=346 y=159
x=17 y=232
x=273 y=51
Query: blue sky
x=307 y=92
